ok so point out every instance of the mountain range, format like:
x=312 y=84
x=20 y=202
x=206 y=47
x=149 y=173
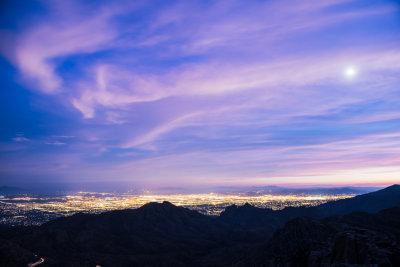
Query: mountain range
x=359 y=231
x=51 y=189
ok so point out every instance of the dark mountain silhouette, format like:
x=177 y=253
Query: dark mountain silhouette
x=371 y=202
x=10 y=190
x=161 y=234
x=249 y=216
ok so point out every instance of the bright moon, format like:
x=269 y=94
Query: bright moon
x=350 y=72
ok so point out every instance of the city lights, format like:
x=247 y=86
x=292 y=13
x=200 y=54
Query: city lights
x=35 y=210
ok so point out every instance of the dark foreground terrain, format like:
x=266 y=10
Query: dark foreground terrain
x=361 y=231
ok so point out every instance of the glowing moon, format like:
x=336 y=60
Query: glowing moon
x=350 y=72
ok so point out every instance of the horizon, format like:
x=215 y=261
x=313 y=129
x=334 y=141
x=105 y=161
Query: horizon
x=123 y=188
x=200 y=95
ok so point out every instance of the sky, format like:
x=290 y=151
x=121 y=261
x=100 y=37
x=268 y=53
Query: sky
x=200 y=93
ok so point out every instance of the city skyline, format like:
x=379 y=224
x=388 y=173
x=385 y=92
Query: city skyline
x=200 y=93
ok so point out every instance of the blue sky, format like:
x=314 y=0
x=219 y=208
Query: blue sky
x=200 y=93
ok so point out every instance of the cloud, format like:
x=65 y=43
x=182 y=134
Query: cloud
x=63 y=136
x=55 y=143
x=158 y=131
x=61 y=35
x=115 y=87
x=20 y=139
x=368 y=156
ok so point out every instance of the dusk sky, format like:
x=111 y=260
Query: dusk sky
x=200 y=93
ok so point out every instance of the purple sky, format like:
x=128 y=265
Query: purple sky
x=195 y=93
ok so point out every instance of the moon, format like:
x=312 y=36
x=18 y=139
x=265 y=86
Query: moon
x=350 y=72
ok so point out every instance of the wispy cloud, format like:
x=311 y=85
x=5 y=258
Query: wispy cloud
x=63 y=34
x=20 y=139
x=55 y=143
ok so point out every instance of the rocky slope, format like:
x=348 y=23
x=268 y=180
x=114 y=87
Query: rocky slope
x=356 y=239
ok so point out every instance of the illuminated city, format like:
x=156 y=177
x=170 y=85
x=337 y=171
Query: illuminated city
x=35 y=210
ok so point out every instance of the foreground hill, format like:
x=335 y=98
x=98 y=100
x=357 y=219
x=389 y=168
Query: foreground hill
x=161 y=234
x=153 y=235
x=355 y=239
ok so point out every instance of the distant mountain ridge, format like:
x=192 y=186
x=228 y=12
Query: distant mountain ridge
x=161 y=234
x=11 y=190
x=276 y=190
x=249 y=216
x=50 y=189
